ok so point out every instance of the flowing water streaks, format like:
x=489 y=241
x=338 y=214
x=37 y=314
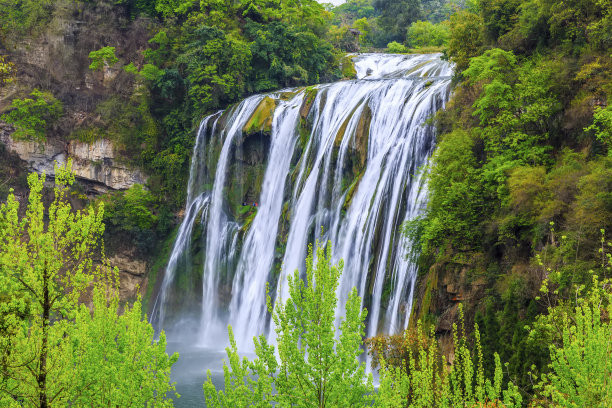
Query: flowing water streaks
x=342 y=156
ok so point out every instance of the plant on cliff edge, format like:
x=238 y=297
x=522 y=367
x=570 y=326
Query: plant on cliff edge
x=55 y=351
x=103 y=56
x=312 y=367
x=33 y=116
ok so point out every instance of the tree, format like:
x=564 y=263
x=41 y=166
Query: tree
x=32 y=117
x=103 y=56
x=581 y=364
x=314 y=366
x=424 y=34
x=423 y=382
x=397 y=15
x=55 y=350
x=466 y=38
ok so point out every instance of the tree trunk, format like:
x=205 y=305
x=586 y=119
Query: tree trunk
x=42 y=366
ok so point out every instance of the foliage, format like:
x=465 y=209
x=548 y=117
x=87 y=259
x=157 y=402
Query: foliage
x=217 y=66
x=47 y=335
x=396 y=48
x=458 y=196
x=347 y=13
x=424 y=382
x=131 y=212
x=283 y=56
x=602 y=126
x=105 y=56
x=310 y=366
x=396 y=16
x=396 y=350
x=18 y=17
x=33 y=117
x=581 y=363
x=424 y=33
x=518 y=184
x=466 y=38
x=7 y=71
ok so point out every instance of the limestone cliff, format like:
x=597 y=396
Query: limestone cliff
x=95 y=164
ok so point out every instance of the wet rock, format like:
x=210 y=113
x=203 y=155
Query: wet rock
x=261 y=120
x=347 y=67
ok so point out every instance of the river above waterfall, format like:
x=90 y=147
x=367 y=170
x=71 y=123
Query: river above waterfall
x=276 y=172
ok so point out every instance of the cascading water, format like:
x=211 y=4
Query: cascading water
x=279 y=171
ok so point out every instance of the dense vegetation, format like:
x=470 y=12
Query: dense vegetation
x=518 y=219
x=520 y=182
x=54 y=349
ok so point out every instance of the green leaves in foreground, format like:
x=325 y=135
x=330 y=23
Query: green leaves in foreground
x=311 y=367
x=581 y=363
x=424 y=381
x=55 y=351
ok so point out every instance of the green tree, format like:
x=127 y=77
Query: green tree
x=314 y=366
x=32 y=117
x=466 y=38
x=103 y=56
x=424 y=33
x=581 y=365
x=56 y=351
x=217 y=66
x=602 y=126
x=424 y=382
x=397 y=15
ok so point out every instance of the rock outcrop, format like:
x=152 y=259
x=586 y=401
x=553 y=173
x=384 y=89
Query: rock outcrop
x=96 y=165
x=132 y=274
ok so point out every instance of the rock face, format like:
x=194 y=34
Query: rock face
x=94 y=164
x=132 y=274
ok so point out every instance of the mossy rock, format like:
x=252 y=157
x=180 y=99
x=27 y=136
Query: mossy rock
x=247 y=222
x=261 y=120
x=347 y=67
x=362 y=136
x=310 y=94
x=305 y=126
x=351 y=192
x=288 y=95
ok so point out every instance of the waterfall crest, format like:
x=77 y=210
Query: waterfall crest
x=279 y=171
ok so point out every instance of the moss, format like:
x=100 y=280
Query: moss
x=252 y=212
x=351 y=192
x=285 y=96
x=261 y=120
x=362 y=136
x=431 y=285
x=347 y=67
x=304 y=128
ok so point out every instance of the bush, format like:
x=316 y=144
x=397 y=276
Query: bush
x=426 y=34
x=313 y=363
x=32 y=117
x=396 y=48
x=104 y=56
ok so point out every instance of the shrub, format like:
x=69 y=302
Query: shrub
x=33 y=116
x=396 y=48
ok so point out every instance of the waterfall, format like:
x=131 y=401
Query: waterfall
x=279 y=171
